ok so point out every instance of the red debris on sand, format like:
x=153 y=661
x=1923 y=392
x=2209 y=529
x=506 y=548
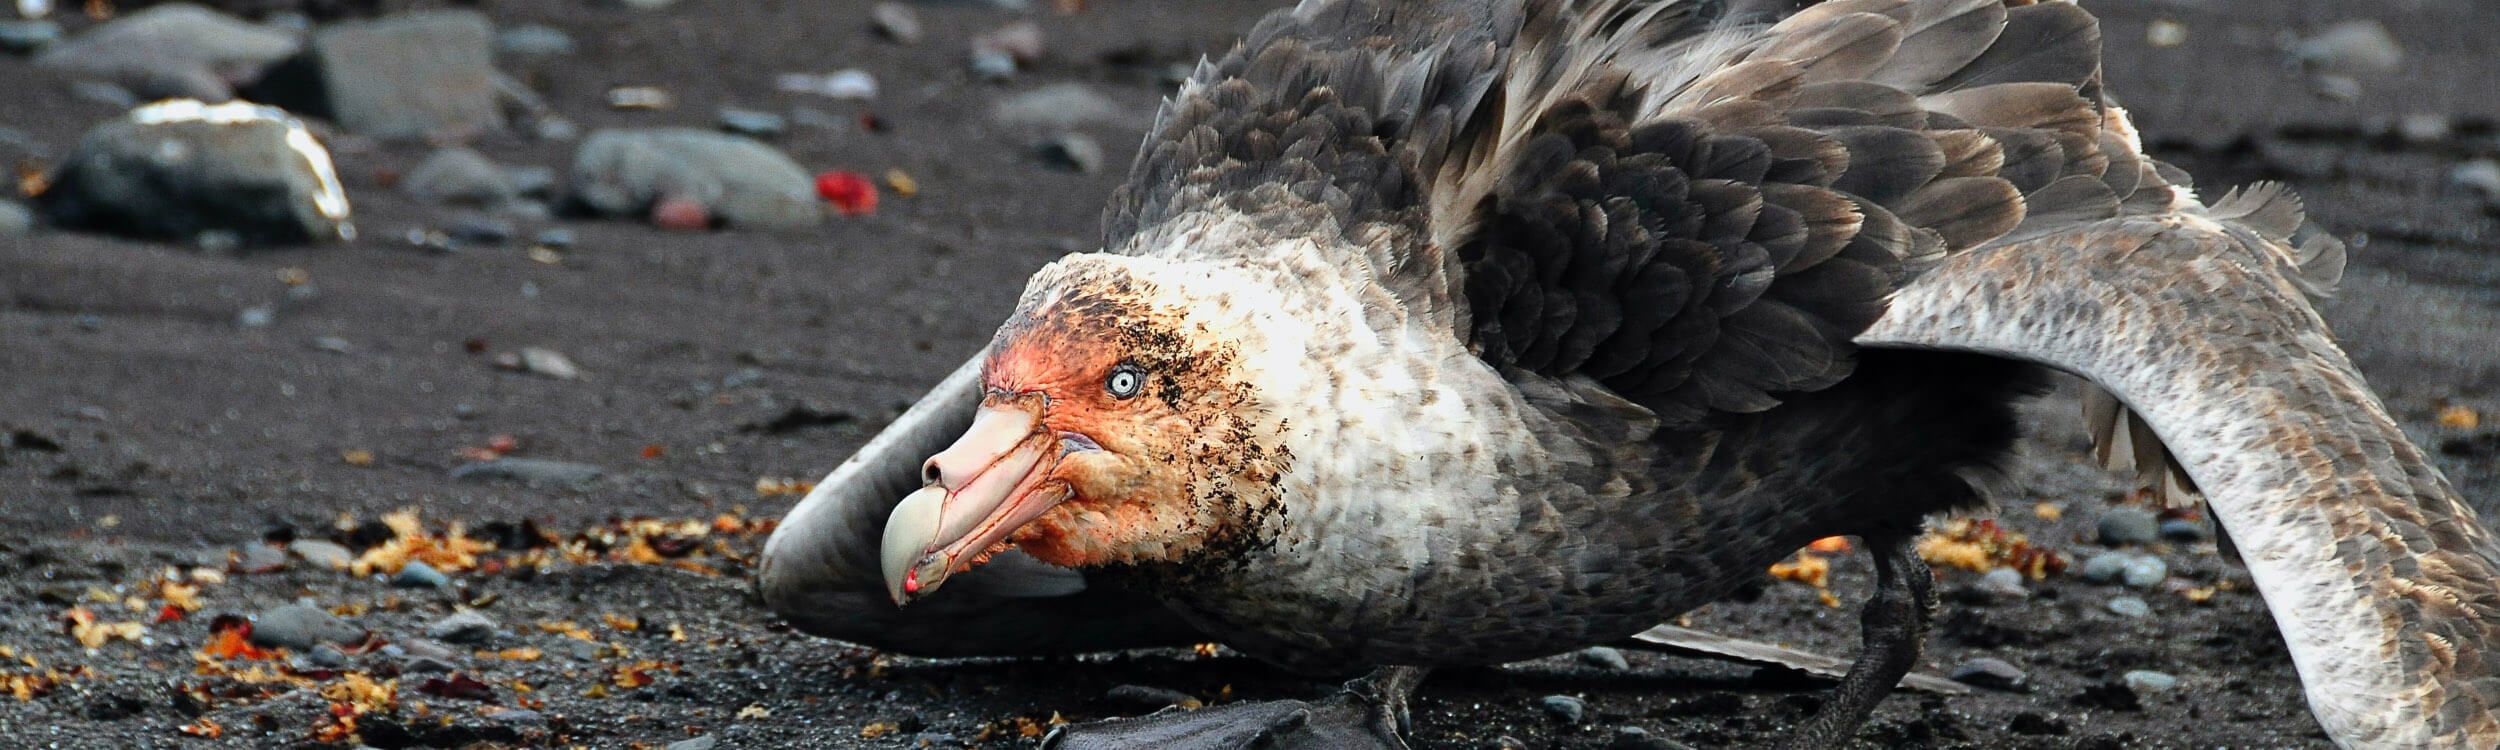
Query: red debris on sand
x=457 y=686
x=849 y=192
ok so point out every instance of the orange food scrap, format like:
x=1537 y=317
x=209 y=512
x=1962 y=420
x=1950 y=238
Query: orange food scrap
x=2460 y=416
x=2050 y=512
x=1830 y=545
x=1980 y=545
x=235 y=643
x=879 y=729
x=356 y=457
x=204 y=728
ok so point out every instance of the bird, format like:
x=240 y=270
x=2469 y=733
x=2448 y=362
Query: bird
x=1446 y=332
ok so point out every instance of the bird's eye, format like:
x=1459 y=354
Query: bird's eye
x=1125 y=381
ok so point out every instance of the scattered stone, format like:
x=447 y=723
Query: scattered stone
x=15 y=220
x=2480 y=177
x=555 y=129
x=896 y=22
x=1059 y=106
x=223 y=242
x=1636 y=738
x=1605 y=657
x=640 y=97
x=2350 y=47
x=175 y=50
x=516 y=717
x=2106 y=567
x=2164 y=33
x=739 y=180
x=1991 y=673
x=324 y=656
x=2424 y=128
x=2182 y=530
x=464 y=627
x=405 y=77
x=535 y=471
x=1149 y=698
x=322 y=554
x=460 y=176
x=991 y=65
x=479 y=230
x=418 y=575
x=1566 y=708
x=299 y=627
x=840 y=84
x=2129 y=607
x=752 y=123
x=557 y=238
x=2003 y=583
x=174 y=169
x=1071 y=152
x=1020 y=42
x=1507 y=742
x=259 y=558
x=24 y=37
x=333 y=344
x=705 y=742
x=539 y=360
x=2145 y=571
x=2128 y=525
x=2148 y=682
x=533 y=41
x=532 y=181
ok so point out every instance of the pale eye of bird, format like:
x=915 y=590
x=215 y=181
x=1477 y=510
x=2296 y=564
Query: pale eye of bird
x=1125 y=381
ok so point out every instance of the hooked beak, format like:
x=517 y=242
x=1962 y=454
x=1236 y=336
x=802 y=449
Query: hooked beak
x=992 y=481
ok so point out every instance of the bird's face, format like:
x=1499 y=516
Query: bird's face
x=1113 y=428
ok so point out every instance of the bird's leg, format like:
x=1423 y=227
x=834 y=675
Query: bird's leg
x=1892 y=629
x=1368 y=714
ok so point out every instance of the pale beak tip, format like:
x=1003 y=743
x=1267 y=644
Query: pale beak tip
x=909 y=532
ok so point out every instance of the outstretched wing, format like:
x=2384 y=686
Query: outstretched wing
x=820 y=568
x=2386 y=586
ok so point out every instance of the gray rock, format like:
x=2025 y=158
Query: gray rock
x=2126 y=525
x=1991 y=673
x=175 y=50
x=2182 y=530
x=539 y=360
x=418 y=575
x=1060 y=106
x=1021 y=42
x=259 y=558
x=530 y=470
x=1636 y=738
x=460 y=176
x=2145 y=571
x=15 y=220
x=1072 y=152
x=738 y=180
x=1148 y=697
x=256 y=316
x=705 y=742
x=896 y=22
x=2129 y=607
x=422 y=664
x=1566 y=708
x=2003 y=583
x=1604 y=657
x=532 y=181
x=174 y=169
x=557 y=238
x=324 y=656
x=993 y=65
x=2480 y=177
x=2350 y=47
x=2106 y=567
x=300 y=627
x=465 y=626
x=408 y=76
x=2149 y=682
x=753 y=123
x=322 y=554
x=517 y=717
x=532 y=41
x=22 y=37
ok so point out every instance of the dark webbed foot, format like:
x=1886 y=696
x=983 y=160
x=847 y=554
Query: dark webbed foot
x=1893 y=628
x=1369 y=714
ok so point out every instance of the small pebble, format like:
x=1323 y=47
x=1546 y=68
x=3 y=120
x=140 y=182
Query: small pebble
x=478 y=230
x=324 y=656
x=465 y=626
x=1071 y=152
x=1991 y=673
x=333 y=344
x=1605 y=657
x=1506 y=742
x=15 y=220
x=418 y=575
x=2480 y=177
x=517 y=716
x=2182 y=530
x=1569 y=709
x=416 y=664
x=896 y=22
x=2106 y=567
x=705 y=742
x=322 y=554
x=2164 y=33
x=993 y=65
x=752 y=123
x=299 y=627
x=259 y=558
x=2129 y=607
x=2122 y=526
x=2355 y=46
x=2003 y=583
x=556 y=129
x=556 y=239
x=2424 y=128
x=218 y=241
x=533 y=40
x=23 y=37
x=549 y=362
x=2145 y=571
x=528 y=470
x=2148 y=682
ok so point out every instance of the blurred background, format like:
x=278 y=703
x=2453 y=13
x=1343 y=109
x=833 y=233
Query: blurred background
x=616 y=278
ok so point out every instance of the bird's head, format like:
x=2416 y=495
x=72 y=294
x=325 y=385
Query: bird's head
x=1116 y=426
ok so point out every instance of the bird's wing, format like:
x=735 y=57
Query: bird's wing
x=2386 y=587
x=820 y=568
